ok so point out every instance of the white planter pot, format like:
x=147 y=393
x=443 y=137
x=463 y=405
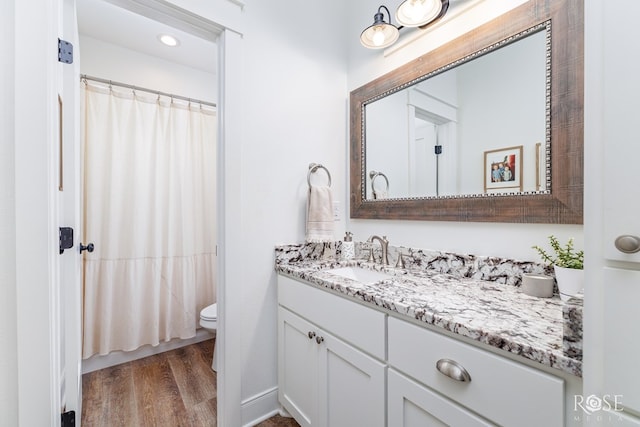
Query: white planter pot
x=570 y=281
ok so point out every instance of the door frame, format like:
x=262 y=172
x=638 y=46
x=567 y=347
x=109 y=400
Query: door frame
x=36 y=212
x=36 y=207
x=70 y=304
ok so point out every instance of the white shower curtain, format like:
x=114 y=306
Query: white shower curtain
x=149 y=207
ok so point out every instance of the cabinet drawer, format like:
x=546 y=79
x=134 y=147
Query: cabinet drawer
x=501 y=390
x=362 y=327
x=413 y=405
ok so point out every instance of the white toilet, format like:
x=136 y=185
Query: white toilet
x=209 y=321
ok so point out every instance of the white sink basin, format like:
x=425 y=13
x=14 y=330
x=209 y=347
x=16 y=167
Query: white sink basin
x=361 y=275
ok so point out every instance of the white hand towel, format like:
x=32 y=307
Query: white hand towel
x=319 y=215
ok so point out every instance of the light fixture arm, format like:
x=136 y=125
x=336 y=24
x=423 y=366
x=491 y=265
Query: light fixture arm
x=379 y=17
x=380 y=14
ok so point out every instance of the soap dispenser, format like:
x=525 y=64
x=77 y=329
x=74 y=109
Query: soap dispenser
x=348 y=250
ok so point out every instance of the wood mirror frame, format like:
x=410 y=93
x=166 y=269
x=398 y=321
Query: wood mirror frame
x=564 y=204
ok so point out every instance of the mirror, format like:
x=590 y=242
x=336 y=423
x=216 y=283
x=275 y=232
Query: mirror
x=461 y=116
x=486 y=128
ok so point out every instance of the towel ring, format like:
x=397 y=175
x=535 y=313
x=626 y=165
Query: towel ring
x=313 y=167
x=373 y=175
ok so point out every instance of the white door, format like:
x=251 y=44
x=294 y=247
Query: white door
x=621 y=284
x=422 y=161
x=612 y=206
x=43 y=370
x=298 y=367
x=351 y=385
x=69 y=216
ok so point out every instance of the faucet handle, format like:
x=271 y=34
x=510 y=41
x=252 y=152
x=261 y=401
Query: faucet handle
x=400 y=263
x=368 y=246
x=371 y=257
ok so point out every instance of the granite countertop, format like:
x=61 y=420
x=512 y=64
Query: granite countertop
x=492 y=313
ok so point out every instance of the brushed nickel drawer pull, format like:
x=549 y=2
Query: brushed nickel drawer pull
x=628 y=244
x=453 y=370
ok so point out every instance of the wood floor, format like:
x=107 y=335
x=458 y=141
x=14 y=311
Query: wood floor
x=176 y=388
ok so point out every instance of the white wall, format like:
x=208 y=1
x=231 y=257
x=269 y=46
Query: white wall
x=294 y=106
x=8 y=338
x=296 y=102
x=476 y=238
x=108 y=61
x=390 y=144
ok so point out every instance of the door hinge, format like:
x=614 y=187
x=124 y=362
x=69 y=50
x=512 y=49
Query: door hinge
x=65 y=51
x=68 y=419
x=66 y=238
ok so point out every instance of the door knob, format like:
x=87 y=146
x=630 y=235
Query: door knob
x=88 y=248
x=628 y=244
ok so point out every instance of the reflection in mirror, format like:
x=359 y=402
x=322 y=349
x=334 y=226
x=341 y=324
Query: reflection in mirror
x=449 y=133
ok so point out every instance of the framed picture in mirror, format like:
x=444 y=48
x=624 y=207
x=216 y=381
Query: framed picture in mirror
x=503 y=169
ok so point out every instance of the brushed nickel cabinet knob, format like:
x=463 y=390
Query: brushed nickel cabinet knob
x=628 y=244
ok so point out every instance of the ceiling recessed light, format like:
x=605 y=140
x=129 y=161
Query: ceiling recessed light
x=168 y=40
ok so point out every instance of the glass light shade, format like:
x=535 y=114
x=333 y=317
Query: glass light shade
x=414 y=13
x=379 y=36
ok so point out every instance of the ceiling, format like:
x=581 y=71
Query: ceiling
x=104 y=21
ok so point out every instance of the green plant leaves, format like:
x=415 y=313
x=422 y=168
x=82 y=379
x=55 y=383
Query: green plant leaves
x=562 y=256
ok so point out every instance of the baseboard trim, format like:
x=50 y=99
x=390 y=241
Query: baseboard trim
x=98 y=362
x=283 y=413
x=260 y=407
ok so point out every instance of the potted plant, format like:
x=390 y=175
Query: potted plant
x=568 y=265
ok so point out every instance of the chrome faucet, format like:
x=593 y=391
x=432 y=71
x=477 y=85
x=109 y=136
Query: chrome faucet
x=384 y=245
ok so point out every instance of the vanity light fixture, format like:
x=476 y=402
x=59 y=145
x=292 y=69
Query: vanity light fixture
x=381 y=34
x=168 y=40
x=410 y=13
x=419 y=13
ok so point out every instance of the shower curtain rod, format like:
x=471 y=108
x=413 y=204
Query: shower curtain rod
x=155 y=92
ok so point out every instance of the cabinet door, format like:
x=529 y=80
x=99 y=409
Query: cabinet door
x=621 y=309
x=612 y=303
x=297 y=367
x=621 y=87
x=351 y=386
x=413 y=405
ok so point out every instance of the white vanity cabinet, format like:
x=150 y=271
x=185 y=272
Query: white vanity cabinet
x=323 y=380
x=341 y=363
x=298 y=358
x=411 y=404
x=502 y=391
